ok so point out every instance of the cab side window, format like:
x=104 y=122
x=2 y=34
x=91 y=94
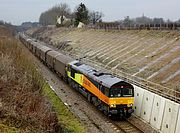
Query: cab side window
x=73 y=71
x=102 y=89
x=106 y=91
x=68 y=68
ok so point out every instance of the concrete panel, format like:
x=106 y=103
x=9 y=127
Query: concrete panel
x=147 y=104
x=178 y=123
x=138 y=94
x=157 y=111
x=170 y=117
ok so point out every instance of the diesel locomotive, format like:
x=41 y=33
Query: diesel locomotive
x=108 y=93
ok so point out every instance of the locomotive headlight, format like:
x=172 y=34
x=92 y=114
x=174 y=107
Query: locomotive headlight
x=113 y=106
x=129 y=105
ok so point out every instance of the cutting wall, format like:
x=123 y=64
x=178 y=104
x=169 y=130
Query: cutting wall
x=161 y=113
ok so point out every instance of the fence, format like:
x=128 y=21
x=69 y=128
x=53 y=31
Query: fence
x=116 y=26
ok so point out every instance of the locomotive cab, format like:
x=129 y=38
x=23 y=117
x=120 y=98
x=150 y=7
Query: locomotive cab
x=121 y=99
x=121 y=89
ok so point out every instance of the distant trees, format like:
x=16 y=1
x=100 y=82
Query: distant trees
x=50 y=16
x=64 y=10
x=159 y=21
x=127 y=21
x=178 y=21
x=95 y=16
x=61 y=15
x=1 y=22
x=143 y=20
x=56 y=15
x=81 y=14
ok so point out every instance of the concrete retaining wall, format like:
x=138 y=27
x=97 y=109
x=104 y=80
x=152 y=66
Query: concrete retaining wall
x=161 y=113
x=147 y=104
x=139 y=92
x=178 y=123
x=170 y=117
x=157 y=111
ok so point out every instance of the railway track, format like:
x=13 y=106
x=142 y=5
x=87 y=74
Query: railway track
x=127 y=127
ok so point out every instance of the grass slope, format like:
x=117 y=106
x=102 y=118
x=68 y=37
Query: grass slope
x=69 y=122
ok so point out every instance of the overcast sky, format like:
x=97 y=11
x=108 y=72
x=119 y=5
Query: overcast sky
x=18 y=11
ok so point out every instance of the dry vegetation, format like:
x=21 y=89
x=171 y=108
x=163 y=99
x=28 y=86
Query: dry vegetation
x=22 y=104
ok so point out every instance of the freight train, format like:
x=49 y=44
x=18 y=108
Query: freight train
x=110 y=94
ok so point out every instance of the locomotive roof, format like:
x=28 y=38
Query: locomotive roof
x=106 y=78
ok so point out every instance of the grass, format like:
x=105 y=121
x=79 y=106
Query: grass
x=7 y=129
x=68 y=121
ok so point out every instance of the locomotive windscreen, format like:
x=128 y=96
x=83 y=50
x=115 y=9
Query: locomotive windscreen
x=121 y=89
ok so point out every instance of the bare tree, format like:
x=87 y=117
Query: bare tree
x=95 y=16
x=127 y=22
x=63 y=10
x=49 y=17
